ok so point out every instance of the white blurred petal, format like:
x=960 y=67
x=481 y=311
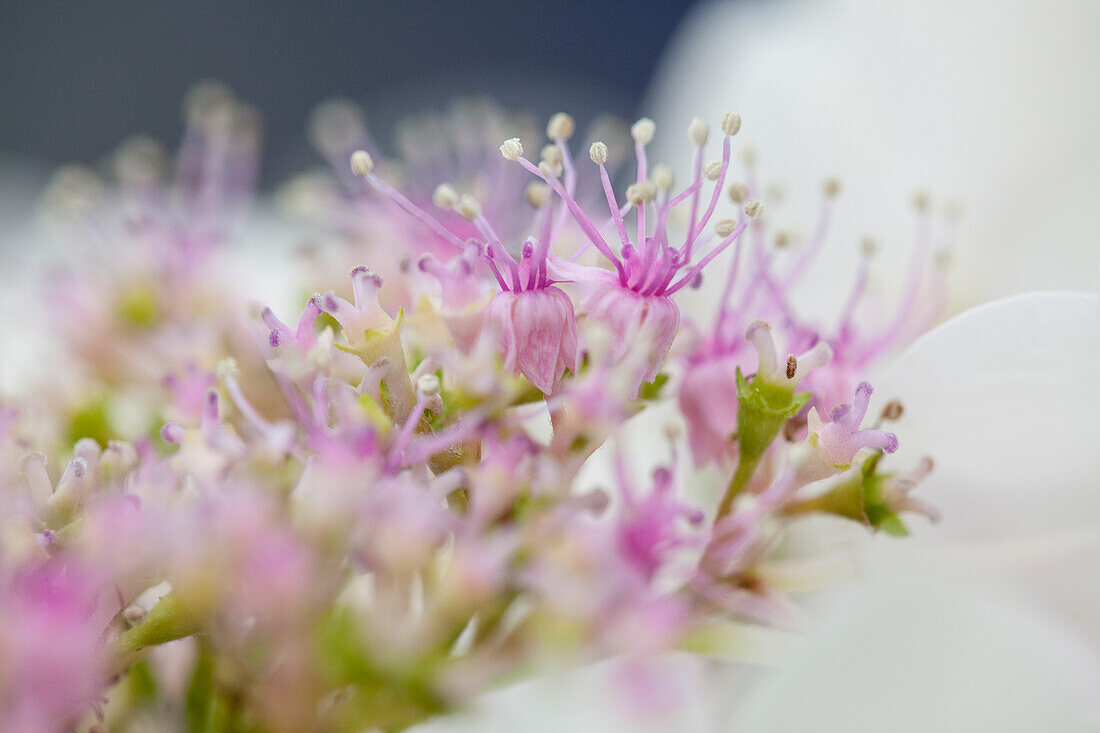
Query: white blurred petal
x=993 y=101
x=1006 y=399
x=929 y=658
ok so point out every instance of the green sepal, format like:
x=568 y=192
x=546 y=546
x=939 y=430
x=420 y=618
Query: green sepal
x=876 y=510
x=762 y=409
x=862 y=498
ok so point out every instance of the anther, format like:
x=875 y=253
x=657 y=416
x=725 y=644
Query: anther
x=792 y=366
x=511 y=149
x=731 y=123
x=699 y=131
x=662 y=176
x=361 y=163
x=445 y=196
x=893 y=410
x=536 y=194
x=724 y=227
x=468 y=207
x=712 y=169
x=831 y=187
x=551 y=154
x=560 y=127
x=738 y=193
x=643 y=130
x=598 y=153
x=640 y=193
x=754 y=208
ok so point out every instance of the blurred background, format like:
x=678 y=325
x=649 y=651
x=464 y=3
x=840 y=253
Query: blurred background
x=77 y=79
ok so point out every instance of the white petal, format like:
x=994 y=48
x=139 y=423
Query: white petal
x=894 y=96
x=929 y=658
x=1006 y=399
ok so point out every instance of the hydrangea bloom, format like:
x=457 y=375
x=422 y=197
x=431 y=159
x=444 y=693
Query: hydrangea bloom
x=369 y=517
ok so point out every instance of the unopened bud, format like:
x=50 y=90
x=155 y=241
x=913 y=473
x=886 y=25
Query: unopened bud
x=361 y=163
x=731 y=123
x=643 y=131
x=560 y=127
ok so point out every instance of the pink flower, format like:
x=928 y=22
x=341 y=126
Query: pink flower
x=635 y=301
x=838 y=439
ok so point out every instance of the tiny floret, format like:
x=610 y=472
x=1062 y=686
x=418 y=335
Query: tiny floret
x=643 y=131
x=512 y=149
x=361 y=163
x=754 y=209
x=731 y=123
x=598 y=153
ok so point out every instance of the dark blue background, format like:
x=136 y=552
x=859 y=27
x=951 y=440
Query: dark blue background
x=78 y=77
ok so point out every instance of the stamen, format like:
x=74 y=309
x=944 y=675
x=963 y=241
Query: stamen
x=643 y=131
x=445 y=196
x=560 y=127
x=698 y=131
x=511 y=149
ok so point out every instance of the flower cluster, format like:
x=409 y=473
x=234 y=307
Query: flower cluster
x=364 y=515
